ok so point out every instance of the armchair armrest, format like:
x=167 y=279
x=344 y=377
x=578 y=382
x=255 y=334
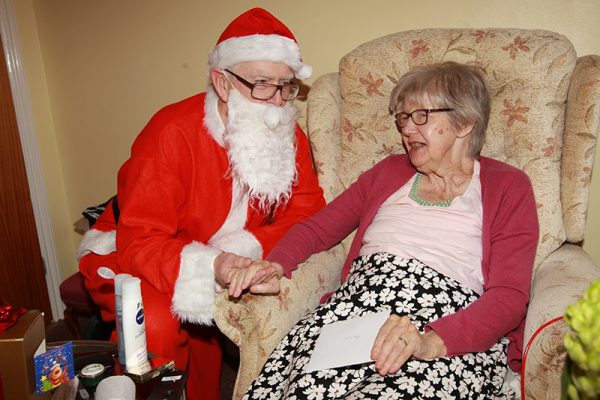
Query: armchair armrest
x=582 y=122
x=558 y=282
x=324 y=131
x=258 y=323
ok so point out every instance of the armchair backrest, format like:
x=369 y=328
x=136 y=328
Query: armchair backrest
x=544 y=120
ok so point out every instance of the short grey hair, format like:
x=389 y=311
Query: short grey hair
x=449 y=85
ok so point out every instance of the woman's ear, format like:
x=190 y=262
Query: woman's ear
x=220 y=83
x=465 y=131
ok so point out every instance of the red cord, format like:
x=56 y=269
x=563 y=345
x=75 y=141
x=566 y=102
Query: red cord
x=537 y=332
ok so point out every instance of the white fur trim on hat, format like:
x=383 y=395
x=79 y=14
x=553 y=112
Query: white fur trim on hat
x=194 y=294
x=259 y=48
x=98 y=242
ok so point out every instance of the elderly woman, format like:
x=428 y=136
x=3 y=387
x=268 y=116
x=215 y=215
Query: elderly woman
x=445 y=240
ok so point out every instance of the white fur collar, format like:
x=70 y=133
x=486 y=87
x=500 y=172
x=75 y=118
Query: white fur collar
x=212 y=119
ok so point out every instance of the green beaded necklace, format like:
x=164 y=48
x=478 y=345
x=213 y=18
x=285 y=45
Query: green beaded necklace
x=413 y=195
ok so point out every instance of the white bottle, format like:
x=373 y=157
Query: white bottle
x=119 y=315
x=134 y=327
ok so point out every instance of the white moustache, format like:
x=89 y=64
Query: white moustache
x=275 y=116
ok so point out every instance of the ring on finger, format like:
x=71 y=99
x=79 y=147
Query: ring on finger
x=404 y=340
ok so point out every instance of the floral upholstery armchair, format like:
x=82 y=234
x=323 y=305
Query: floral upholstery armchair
x=545 y=119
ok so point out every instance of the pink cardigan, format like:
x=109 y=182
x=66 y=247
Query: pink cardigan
x=510 y=235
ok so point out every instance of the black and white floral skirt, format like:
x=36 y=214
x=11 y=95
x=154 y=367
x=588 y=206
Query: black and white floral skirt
x=380 y=282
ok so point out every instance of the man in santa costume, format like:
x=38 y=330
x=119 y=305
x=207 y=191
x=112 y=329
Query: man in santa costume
x=223 y=172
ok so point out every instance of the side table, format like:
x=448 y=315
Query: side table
x=170 y=384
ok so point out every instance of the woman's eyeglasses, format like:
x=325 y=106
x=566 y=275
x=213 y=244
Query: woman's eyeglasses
x=419 y=117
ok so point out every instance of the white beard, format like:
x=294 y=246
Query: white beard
x=260 y=143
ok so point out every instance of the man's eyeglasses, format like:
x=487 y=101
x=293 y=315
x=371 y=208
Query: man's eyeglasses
x=419 y=117
x=266 y=91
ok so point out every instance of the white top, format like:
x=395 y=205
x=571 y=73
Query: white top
x=448 y=239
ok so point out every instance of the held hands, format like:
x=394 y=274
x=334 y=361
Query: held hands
x=398 y=340
x=261 y=277
x=240 y=273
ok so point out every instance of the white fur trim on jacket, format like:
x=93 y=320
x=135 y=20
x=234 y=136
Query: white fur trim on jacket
x=194 y=293
x=240 y=242
x=212 y=119
x=98 y=242
x=259 y=48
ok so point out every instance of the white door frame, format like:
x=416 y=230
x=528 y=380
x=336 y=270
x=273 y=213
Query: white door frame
x=31 y=153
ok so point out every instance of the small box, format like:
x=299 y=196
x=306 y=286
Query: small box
x=18 y=345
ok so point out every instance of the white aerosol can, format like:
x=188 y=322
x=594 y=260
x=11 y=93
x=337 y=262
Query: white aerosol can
x=134 y=327
x=118 y=279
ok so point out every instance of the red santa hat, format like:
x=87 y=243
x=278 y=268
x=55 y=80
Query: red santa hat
x=257 y=35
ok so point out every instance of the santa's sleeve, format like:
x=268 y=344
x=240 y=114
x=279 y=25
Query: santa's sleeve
x=307 y=198
x=150 y=248
x=152 y=188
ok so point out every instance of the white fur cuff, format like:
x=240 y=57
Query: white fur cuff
x=98 y=242
x=194 y=293
x=240 y=242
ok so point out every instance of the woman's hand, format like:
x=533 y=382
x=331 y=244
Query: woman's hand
x=398 y=340
x=261 y=277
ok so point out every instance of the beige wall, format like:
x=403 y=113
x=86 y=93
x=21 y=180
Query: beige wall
x=97 y=70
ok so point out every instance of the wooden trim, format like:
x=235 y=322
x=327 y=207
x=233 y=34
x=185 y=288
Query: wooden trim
x=31 y=154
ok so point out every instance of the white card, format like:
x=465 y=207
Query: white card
x=347 y=342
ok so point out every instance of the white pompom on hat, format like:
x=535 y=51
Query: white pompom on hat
x=257 y=35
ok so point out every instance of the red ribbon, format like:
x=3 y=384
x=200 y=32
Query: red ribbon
x=9 y=315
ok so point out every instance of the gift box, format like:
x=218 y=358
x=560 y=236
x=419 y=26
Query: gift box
x=18 y=345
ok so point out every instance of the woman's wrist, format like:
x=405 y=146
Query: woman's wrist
x=279 y=268
x=433 y=346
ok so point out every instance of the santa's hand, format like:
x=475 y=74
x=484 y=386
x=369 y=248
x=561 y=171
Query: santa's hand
x=260 y=277
x=226 y=264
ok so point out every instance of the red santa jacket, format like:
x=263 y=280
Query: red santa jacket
x=175 y=198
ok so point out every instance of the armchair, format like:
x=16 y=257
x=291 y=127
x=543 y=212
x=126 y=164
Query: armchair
x=545 y=119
